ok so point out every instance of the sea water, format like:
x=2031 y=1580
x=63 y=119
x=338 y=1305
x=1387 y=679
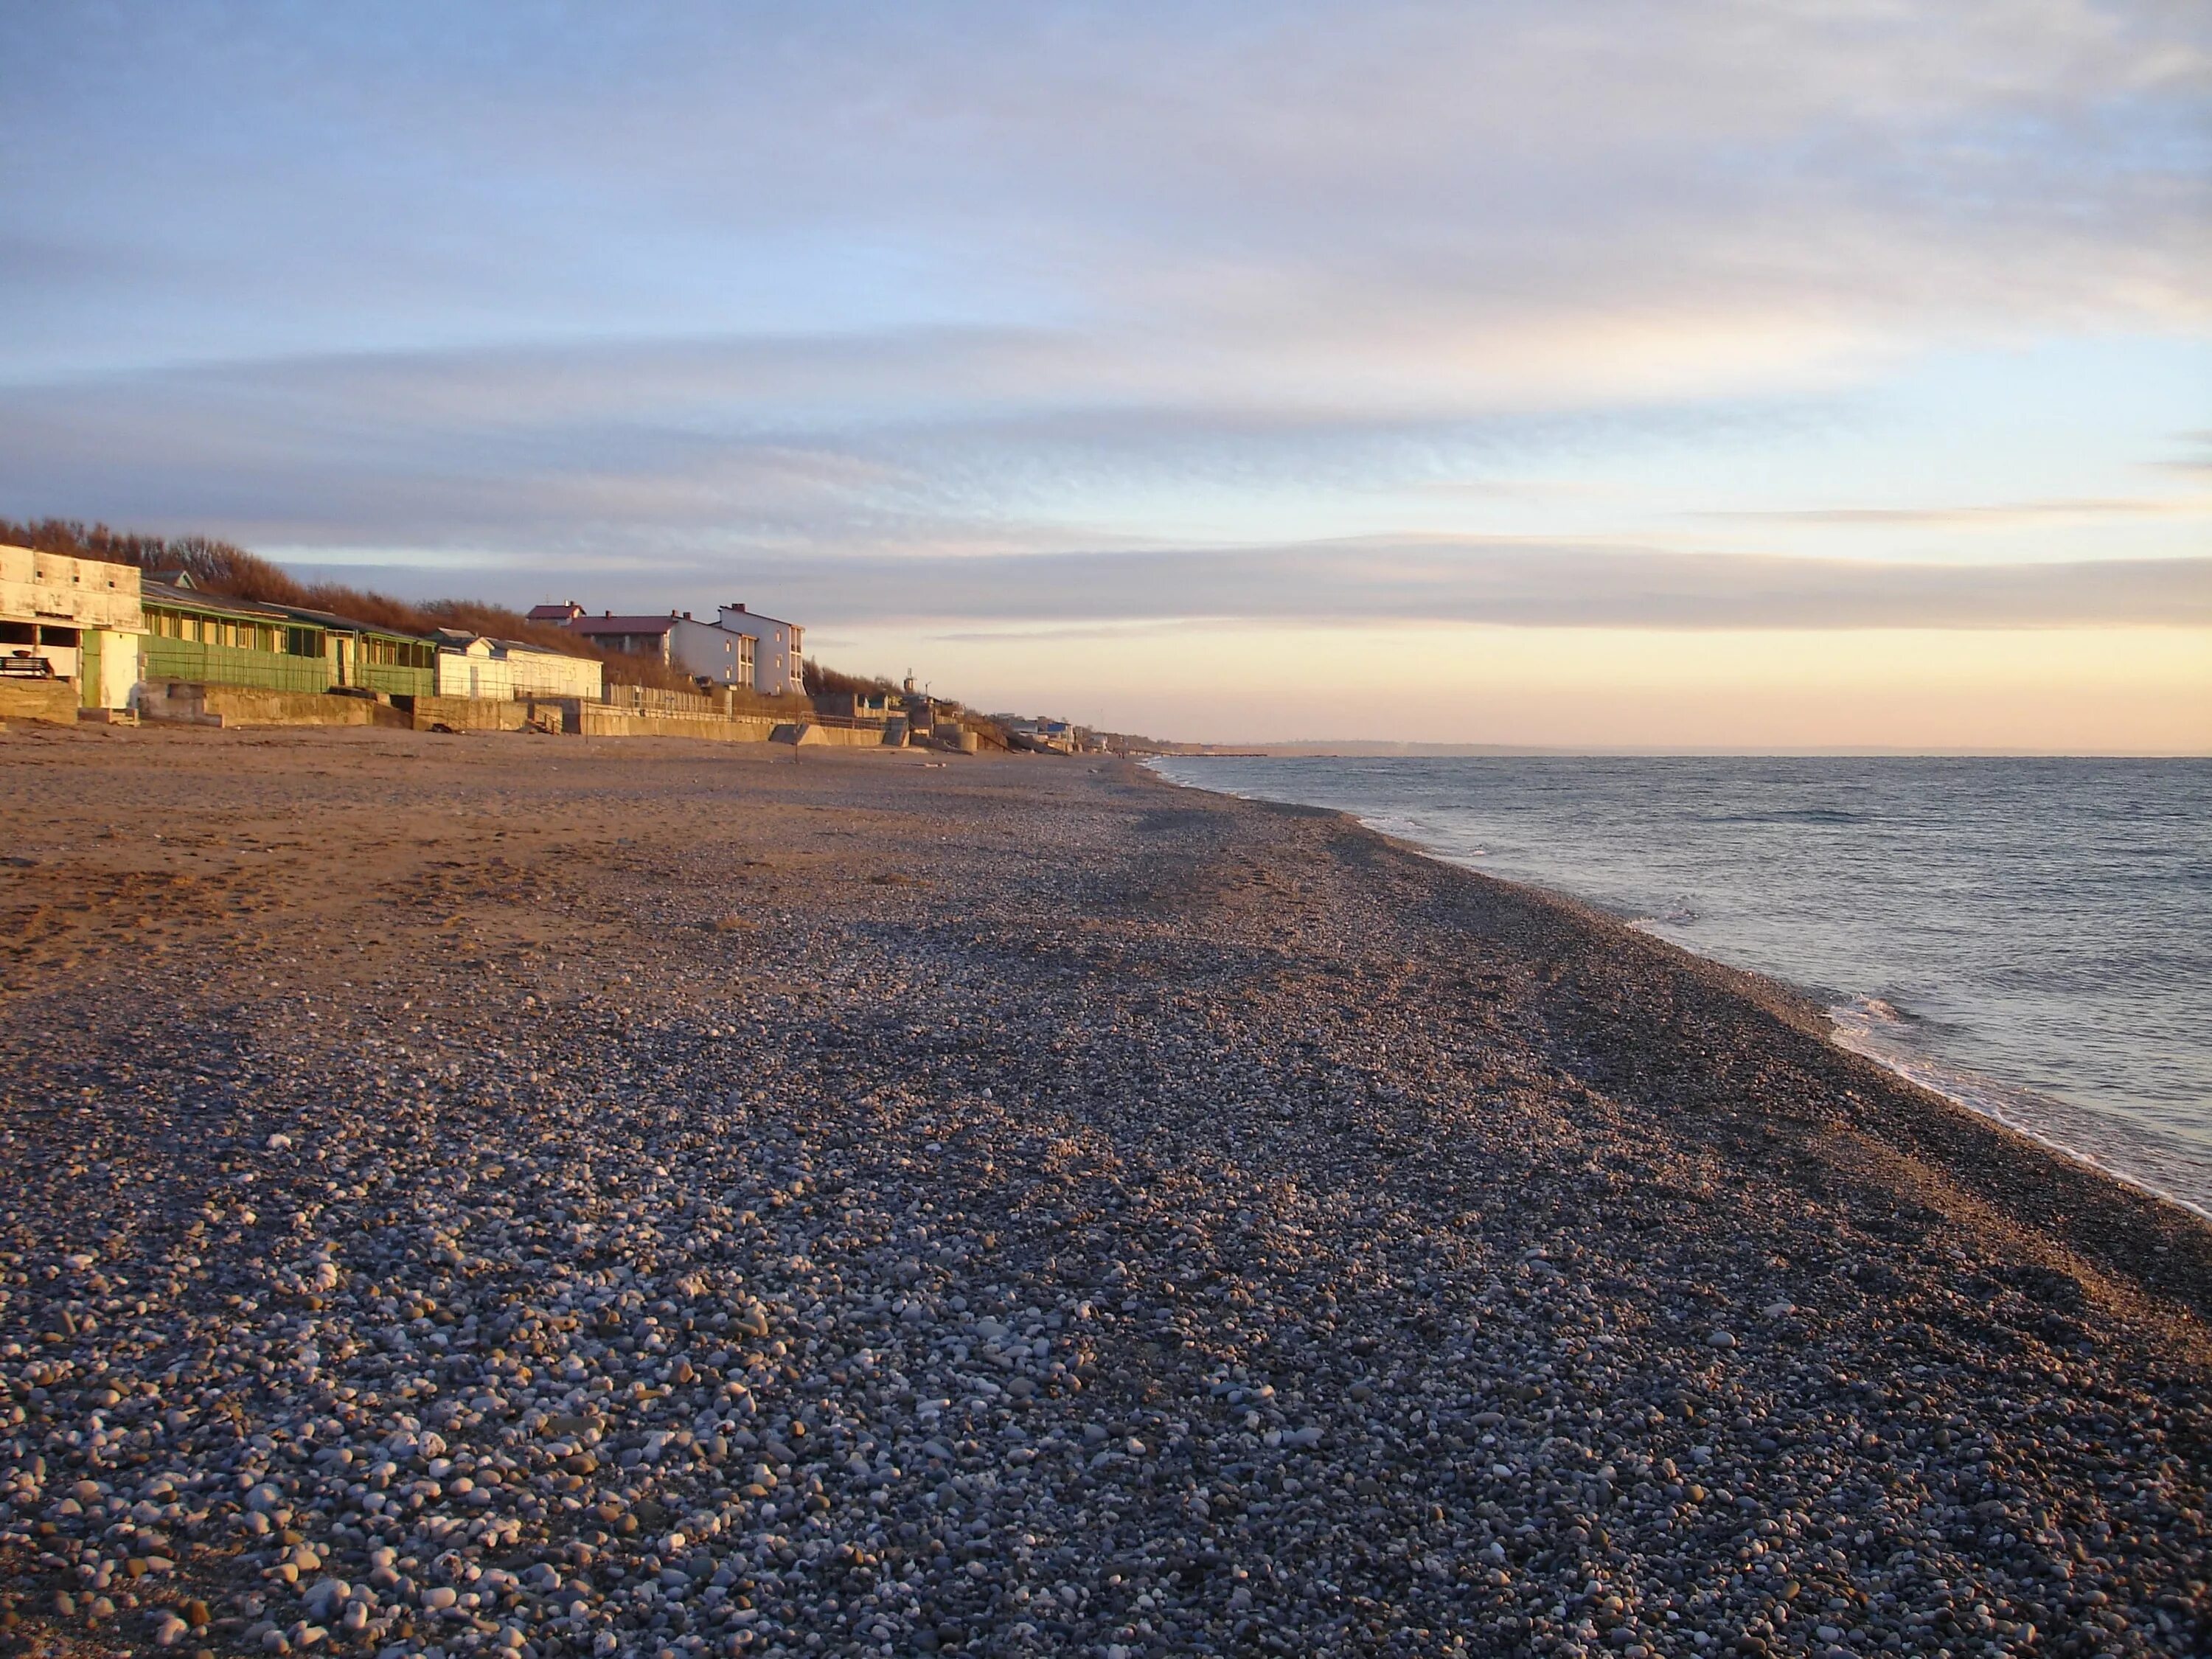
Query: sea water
x=2030 y=936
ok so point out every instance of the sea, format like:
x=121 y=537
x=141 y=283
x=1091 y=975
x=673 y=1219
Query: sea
x=2032 y=937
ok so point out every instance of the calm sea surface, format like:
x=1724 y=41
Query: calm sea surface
x=2032 y=937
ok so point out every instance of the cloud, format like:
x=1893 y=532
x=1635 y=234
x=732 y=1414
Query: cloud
x=1416 y=195
x=931 y=297
x=967 y=439
x=2000 y=516
x=1092 y=596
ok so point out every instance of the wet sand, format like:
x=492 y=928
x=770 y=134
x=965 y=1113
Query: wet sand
x=481 y=1193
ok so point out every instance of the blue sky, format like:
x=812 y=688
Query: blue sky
x=959 y=328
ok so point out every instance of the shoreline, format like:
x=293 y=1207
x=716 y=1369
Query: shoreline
x=1014 y=1207
x=1898 y=1067
x=2030 y=1155
x=2049 y=1143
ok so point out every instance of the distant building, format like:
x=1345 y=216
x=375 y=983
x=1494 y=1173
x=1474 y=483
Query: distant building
x=739 y=648
x=1038 y=734
x=703 y=650
x=779 y=650
x=470 y=665
x=870 y=707
x=71 y=619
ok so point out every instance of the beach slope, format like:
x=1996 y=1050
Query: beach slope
x=587 y=1198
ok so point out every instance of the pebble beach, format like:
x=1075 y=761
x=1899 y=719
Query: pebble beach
x=516 y=1194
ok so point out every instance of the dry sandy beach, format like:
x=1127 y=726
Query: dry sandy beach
x=580 y=1198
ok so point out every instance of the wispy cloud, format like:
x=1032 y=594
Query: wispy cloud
x=1999 y=516
x=1090 y=595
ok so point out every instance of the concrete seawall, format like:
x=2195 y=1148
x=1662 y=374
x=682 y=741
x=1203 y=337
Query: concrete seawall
x=180 y=703
x=468 y=714
x=54 y=701
x=177 y=702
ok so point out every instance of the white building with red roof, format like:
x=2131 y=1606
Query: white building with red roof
x=739 y=647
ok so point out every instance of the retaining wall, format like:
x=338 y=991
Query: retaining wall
x=597 y=720
x=52 y=700
x=468 y=714
x=190 y=704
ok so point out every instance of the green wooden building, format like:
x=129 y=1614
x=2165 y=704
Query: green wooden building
x=200 y=637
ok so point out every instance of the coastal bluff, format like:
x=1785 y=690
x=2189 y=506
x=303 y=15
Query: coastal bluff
x=486 y=1194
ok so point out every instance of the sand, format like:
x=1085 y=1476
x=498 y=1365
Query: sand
x=519 y=1193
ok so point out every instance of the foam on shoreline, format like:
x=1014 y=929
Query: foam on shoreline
x=1861 y=1027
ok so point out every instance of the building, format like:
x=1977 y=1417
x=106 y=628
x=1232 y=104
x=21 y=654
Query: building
x=678 y=640
x=1040 y=735
x=74 y=619
x=739 y=648
x=205 y=639
x=779 y=662
x=470 y=665
x=867 y=707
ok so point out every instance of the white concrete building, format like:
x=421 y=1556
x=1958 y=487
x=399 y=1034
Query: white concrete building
x=779 y=650
x=82 y=617
x=677 y=640
x=739 y=648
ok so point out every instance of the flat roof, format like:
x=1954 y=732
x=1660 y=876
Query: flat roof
x=153 y=592
x=197 y=598
x=627 y=624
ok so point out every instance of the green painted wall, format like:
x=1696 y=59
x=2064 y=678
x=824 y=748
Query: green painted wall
x=398 y=681
x=229 y=664
x=315 y=657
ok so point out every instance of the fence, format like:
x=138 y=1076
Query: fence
x=646 y=699
x=735 y=704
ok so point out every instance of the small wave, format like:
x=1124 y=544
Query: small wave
x=1868 y=1027
x=1798 y=814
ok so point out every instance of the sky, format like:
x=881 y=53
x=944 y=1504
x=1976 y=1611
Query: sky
x=1706 y=374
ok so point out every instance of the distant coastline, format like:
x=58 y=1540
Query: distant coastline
x=1359 y=749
